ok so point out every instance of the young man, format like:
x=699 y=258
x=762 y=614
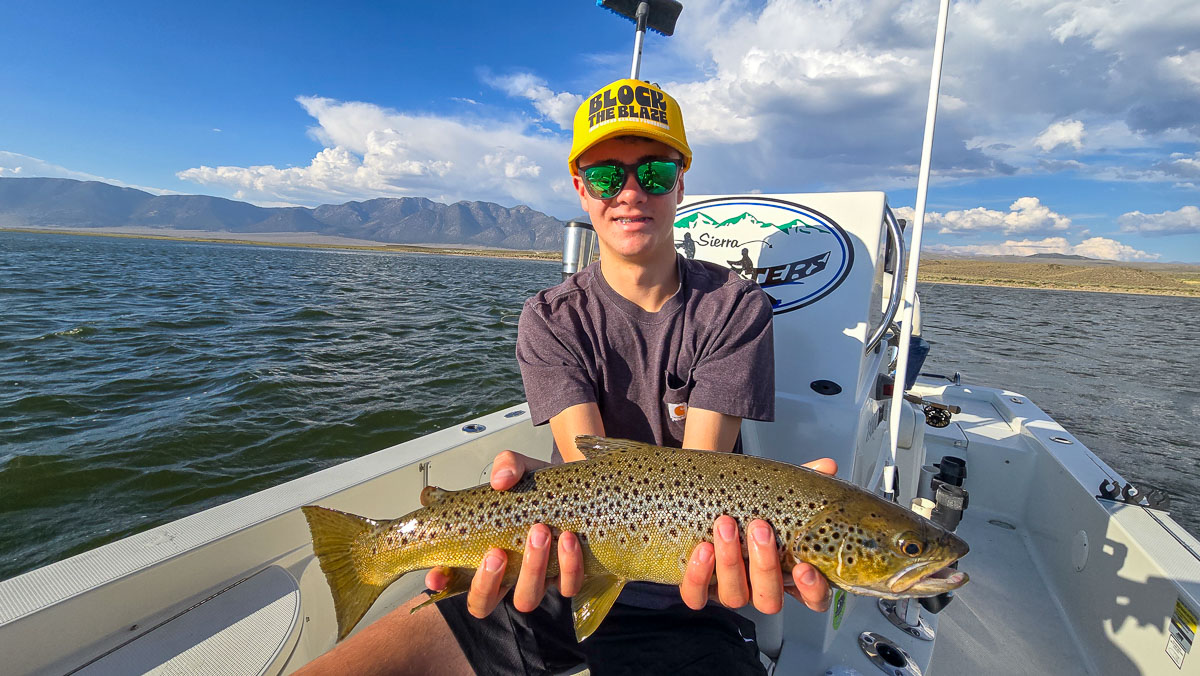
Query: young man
x=644 y=345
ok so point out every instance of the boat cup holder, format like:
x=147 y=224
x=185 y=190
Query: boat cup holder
x=889 y=657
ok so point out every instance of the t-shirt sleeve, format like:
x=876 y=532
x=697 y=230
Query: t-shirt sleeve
x=552 y=373
x=736 y=373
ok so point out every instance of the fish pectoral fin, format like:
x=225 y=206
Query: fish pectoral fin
x=459 y=583
x=592 y=603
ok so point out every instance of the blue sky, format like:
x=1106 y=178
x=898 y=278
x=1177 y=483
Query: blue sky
x=1066 y=126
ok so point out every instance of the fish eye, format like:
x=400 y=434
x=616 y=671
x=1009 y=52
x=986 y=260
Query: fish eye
x=910 y=546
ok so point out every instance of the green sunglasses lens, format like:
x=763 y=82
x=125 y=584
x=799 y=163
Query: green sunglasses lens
x=606 y=180
x=657 y=177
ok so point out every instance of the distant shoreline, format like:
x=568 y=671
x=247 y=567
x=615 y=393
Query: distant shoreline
x=331 y=243
x=934 y=271
x=1171 y=293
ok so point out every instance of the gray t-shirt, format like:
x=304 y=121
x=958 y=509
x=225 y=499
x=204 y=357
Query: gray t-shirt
x=709 y=346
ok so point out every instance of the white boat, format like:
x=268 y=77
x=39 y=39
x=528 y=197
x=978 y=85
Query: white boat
x=1061 y=581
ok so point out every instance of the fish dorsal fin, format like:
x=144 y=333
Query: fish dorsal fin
x=592 y=603
x=593 y=447
x=431 y=494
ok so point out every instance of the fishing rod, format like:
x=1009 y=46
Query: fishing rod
x=910 y=282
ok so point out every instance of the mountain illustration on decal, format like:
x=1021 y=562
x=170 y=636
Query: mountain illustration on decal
x=744 y=219
x=699 y=218
x=797 y=225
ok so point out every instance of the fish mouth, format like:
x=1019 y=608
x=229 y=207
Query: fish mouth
x=927 y=579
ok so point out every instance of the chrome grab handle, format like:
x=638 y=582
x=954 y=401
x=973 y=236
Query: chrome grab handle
x=897 y=239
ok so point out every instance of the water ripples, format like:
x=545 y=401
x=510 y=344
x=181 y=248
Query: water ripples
x=144 y=381
x=1117 y=370
x=141 y=381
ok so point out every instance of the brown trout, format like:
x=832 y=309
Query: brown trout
x=638 y=510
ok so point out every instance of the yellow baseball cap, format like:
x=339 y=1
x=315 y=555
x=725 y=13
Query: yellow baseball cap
x=628 y=108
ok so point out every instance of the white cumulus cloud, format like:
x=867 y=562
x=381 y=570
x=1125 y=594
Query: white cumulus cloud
x=16 y=165
x=1064 y=133
x=371 y=151
x=1181 y=165
x=1184 y=221
x=795 y=95
x=1093 y=247
x=559 y=107
x=1025 y=215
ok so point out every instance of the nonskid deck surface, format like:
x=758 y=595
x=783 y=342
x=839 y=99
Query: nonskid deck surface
x=1005 y=620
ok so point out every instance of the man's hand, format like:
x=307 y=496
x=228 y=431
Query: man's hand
x=766 y=587
x=486 y=588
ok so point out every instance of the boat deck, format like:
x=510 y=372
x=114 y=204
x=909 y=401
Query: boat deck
x=1005 y=620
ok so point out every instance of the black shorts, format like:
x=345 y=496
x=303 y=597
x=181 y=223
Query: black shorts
x=630 y=640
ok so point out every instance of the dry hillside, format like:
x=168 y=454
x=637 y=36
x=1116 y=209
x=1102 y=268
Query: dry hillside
x=1081 y=276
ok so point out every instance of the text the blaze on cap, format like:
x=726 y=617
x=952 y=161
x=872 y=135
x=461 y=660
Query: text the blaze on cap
x=628 y=108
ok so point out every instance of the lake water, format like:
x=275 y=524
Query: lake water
x=144 y=380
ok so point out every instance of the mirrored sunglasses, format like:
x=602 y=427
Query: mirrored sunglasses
x=656 y=177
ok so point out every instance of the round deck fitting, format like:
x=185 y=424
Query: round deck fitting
x=514 y=414
x=473 y=428
x=921 y=631
x=888 y=656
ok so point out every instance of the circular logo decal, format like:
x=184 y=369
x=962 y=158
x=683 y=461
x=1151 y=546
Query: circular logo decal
x=795 y=253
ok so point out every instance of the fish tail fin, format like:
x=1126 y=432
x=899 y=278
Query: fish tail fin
x=335 y=535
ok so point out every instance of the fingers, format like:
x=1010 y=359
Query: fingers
x=570 y=565
x=766 y=575
x=823 y=465
x=509 y=467
x=697 y=576
x=485 y=590
x=437 y=578
x=731 y=571
x=812 y=588
x=531 y=583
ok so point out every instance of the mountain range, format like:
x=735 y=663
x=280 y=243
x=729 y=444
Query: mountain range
x=61 y=202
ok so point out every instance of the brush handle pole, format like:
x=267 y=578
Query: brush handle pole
x=643 y=14
x=910 y=281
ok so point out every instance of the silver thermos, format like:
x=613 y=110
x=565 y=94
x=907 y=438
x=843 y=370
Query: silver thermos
x=579 y=247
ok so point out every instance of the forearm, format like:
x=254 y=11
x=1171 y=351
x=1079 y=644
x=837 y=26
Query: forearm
x=570 y=423
x=710 y=431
